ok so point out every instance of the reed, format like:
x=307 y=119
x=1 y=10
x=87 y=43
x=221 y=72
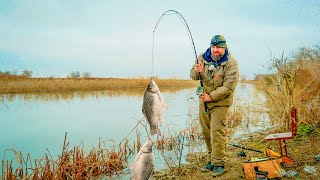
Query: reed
x=235 y=115
x=296 y=82
x=72 y=164
x=31 y=85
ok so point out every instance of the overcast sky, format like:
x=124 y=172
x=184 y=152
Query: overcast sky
x=114 y=38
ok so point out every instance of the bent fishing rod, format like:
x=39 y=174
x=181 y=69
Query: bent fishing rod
x=174 y=12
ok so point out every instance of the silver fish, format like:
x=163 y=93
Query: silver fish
x=143 y=165
x=152 y=107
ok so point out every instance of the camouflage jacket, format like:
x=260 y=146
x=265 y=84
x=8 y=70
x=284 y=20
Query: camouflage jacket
x=219 y=83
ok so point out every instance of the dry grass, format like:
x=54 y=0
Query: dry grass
x=76 y=163
x=235 y=115
x=307 y=96
x=302 y=150
x=294 y=82
x=22 y=84
x=250 y=81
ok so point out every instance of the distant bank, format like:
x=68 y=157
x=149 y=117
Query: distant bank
x=250 y=81
x=31 y=85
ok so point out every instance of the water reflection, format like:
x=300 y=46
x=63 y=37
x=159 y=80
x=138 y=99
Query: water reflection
x=254 y=110
x=65 y=96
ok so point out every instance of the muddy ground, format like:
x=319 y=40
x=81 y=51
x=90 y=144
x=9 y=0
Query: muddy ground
x=302 y=150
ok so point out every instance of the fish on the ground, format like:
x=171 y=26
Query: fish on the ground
x=143 y=165
x=152 y=107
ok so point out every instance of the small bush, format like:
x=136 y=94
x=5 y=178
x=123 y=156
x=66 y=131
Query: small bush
x=74 y=74
x=26 y=73
x=304 y=130
x=86 y=75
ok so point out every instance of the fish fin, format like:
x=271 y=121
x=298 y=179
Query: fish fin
x=149 y=167
x=160 y=119
x=164 y=106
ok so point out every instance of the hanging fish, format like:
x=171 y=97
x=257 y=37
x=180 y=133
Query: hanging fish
x=143 y=165
x=152 y=107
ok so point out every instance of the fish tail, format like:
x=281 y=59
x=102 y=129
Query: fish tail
x=155 y=130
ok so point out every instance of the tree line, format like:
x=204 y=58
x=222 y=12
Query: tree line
x=29 y=73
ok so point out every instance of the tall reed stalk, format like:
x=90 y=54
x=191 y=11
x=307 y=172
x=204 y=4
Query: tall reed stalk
x=279 y=88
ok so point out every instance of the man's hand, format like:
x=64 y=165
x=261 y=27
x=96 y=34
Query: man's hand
x=199 y=67
x=205 y=97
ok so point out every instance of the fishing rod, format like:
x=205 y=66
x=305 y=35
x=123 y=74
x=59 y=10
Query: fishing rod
x=269 y=152
x=171 y=12
x=246 y=148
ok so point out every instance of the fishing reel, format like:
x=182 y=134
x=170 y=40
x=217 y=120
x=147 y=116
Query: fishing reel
x=199 y=91
x=241 y=153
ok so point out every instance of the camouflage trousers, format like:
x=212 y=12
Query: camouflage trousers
x=214 y=129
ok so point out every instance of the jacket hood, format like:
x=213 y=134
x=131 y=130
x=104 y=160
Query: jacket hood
x=207 y=56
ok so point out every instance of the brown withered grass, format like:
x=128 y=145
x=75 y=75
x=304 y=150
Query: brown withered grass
x=27 y=85
x=307 y=94
x=76 y=163
x=304 y=94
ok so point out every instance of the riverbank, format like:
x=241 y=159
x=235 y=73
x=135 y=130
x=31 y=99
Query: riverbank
x=31 y=85
x=250 y=81
x=302 y=150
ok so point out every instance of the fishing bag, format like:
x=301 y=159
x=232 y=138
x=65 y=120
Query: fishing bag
x=263 y=168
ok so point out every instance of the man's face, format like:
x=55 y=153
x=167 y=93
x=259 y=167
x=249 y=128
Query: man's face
x=217 y=51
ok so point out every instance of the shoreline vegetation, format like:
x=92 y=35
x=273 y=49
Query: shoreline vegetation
x=24 y=84
x=21 y=84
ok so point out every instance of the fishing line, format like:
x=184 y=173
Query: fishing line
x=172 y=12
x=184 y=22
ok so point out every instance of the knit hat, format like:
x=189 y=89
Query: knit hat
x=218 y=40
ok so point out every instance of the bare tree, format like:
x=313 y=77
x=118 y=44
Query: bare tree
x=27 y=73
x=279 y=87
x=86 y=75
x=74 y=74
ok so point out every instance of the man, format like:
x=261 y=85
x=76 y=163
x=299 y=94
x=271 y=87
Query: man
x=220 y=74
